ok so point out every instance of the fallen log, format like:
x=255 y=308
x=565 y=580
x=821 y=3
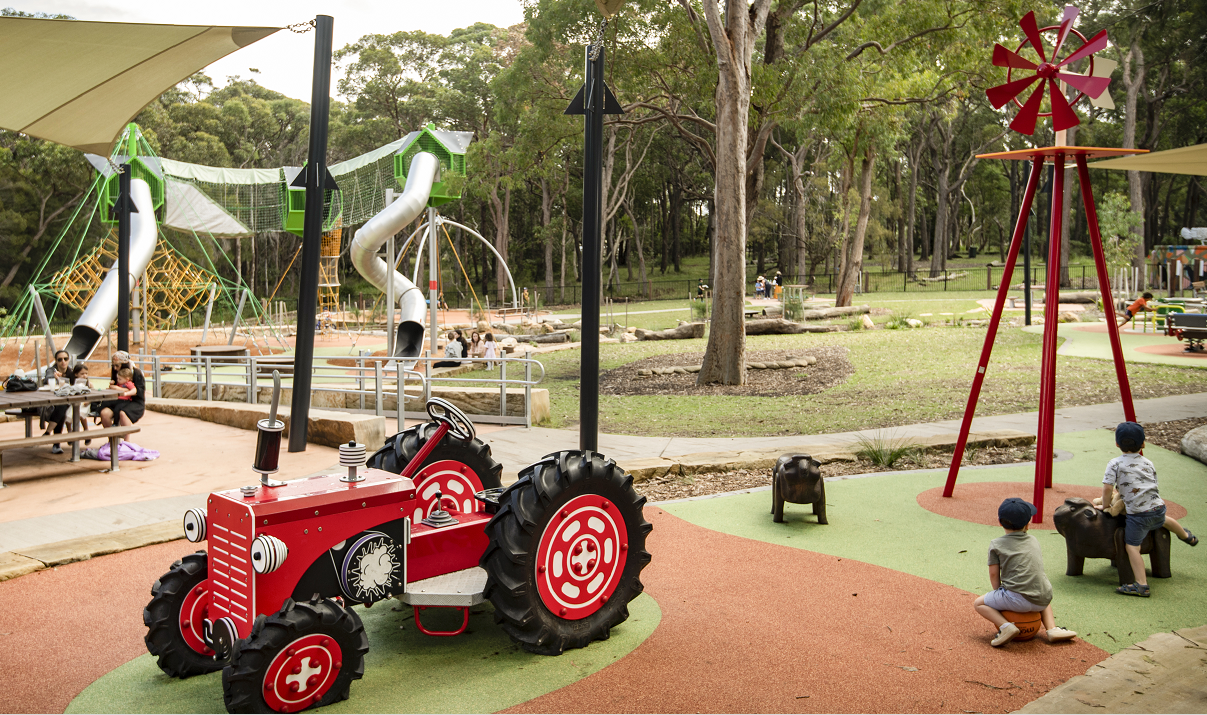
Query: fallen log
x=827 y=313
x=686 y=331
x=778 y=326
x=560 y=336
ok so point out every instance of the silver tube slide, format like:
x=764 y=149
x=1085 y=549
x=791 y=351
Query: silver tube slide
x=374 y=234
x=102 y=309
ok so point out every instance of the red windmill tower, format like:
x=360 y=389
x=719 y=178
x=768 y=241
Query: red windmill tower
x=1050 y=72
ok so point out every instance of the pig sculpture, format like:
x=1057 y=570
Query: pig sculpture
x=797 y=479
x=1090 y=533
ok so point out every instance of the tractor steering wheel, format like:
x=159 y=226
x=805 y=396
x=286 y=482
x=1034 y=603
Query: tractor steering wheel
x=459 y=426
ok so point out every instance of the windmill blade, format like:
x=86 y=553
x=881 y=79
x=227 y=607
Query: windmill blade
x=1066 y=23
x=1024 y=122
x=1094 y=44
x=1031 y=30
x=1063 y=115
x=1003 y=93
x=1092 y=86
x=1103 y=68
x=1003 y=57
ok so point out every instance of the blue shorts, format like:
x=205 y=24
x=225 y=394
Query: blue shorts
x=1006 y=600
x=1138 y=525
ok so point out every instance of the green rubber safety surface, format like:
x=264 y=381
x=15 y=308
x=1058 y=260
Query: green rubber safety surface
x=1079 y=342
x=878 y=520
x=405 y=671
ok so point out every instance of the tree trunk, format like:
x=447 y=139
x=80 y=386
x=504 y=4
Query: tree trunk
x=687 y=331
x=853 y=254
x=646 y=286
x=546 y=219
x=1133 y=81
x=733 y=39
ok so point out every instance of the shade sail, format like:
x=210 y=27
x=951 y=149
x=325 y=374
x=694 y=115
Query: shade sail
x=1187 y=160
x=78 y=83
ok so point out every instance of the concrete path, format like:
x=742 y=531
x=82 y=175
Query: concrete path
x=104 y=506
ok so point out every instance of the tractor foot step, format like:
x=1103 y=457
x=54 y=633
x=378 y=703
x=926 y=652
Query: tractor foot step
x=460 y=589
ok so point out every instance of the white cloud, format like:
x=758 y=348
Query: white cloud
x=285 y=59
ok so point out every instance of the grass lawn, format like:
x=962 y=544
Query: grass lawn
x=901 y=377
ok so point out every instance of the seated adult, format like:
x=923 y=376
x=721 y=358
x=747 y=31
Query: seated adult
x=124 y=412
x=56 y=416
x=452 y=349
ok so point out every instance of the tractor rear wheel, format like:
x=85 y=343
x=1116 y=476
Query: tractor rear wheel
x=456 y=468
x=175 y=619
x=566 y=551
x=306 y=655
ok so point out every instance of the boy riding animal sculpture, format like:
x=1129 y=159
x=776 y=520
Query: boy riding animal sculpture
x=1091 y=533
x=797 y=479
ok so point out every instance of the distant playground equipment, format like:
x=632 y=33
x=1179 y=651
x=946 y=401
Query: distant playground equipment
x=1093 y=84
x=1191 y=327
x=1179 y=269
x=171 y=275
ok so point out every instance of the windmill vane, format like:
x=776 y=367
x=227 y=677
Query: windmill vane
x=1050 y=73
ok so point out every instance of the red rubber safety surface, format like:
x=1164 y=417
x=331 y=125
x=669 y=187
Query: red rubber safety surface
x=977 y=502
x=749 y=626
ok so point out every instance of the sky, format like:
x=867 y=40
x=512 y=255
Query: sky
x=286 y=59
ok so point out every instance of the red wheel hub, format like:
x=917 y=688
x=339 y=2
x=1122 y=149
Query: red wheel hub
x=456 y=483
x=302 y=673
x=581 y=557
x=192 y=617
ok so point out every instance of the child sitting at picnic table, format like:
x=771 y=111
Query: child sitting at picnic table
x=125 y=381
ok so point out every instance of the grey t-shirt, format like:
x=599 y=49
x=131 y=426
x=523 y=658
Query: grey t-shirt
x=1136 y=479
x=1022 y=566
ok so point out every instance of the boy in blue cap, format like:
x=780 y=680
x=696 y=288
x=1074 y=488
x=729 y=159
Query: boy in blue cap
x=1136 y=479
x=1016 y=570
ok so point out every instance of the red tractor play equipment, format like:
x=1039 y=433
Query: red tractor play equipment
x=559 y=553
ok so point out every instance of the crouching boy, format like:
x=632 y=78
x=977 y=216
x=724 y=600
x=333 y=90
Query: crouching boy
x=1016 y=571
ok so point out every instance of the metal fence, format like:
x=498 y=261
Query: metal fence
x=249 y=379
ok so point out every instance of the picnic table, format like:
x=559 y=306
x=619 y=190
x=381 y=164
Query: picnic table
x=33 y=400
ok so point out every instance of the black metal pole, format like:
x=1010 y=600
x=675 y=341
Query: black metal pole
x=125 y=205
x=312 y=233
x=1027 y=270
x=588 y=396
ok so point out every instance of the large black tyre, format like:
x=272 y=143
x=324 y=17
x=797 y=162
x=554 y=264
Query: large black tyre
x=401 y=448
x=297 y=639
x=165 y=620
x=533 y=543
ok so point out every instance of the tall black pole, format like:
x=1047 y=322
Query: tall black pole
x=125 y=204
x=588 y=396
x=312 y=233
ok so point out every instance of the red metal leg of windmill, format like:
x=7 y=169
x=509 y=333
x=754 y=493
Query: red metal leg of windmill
x=1047 y=376
x=1007 y=273
x=1091 y=214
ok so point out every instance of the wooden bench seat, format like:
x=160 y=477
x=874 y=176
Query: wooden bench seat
x=113 y=434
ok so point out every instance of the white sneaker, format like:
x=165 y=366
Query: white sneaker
x=1056 y=634
x=1005 y=634
x=56 y=449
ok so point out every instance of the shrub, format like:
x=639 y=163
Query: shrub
x=884 y=451
x=855 y=323
x=794 y=308
x=699 y=310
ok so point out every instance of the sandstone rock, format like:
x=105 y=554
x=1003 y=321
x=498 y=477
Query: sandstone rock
x=1068 y=317
x=1194 y=444
x=628 y=338
x=680 y=371
x=693 y=368
x=644 y=372
x=631 y=329
x=866 y=322
x=785 y=364
x=913 y=322
x=483 y=326
x=756 y=366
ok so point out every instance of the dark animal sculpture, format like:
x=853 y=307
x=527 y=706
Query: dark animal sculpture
x=797 y=479
x=1093 y=534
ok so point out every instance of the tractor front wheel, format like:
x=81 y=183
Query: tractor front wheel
x=566 y=551
x=175 y=619
x=306 y=655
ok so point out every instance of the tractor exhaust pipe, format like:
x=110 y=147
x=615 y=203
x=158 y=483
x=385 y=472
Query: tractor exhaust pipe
x=374 y=234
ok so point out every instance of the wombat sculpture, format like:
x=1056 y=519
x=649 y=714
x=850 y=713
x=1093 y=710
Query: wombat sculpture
x=797 y=479
x=1090 y=533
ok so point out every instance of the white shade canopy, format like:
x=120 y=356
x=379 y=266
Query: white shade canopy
x=1187 y=160
x=79 y=83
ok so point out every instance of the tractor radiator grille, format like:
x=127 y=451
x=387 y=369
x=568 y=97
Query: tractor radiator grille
x=230 y=570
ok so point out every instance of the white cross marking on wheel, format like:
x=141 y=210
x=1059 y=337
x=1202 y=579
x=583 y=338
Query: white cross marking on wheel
x=301 y=678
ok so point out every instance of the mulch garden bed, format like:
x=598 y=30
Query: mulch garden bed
x=1169 y=434
x=832 y=368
